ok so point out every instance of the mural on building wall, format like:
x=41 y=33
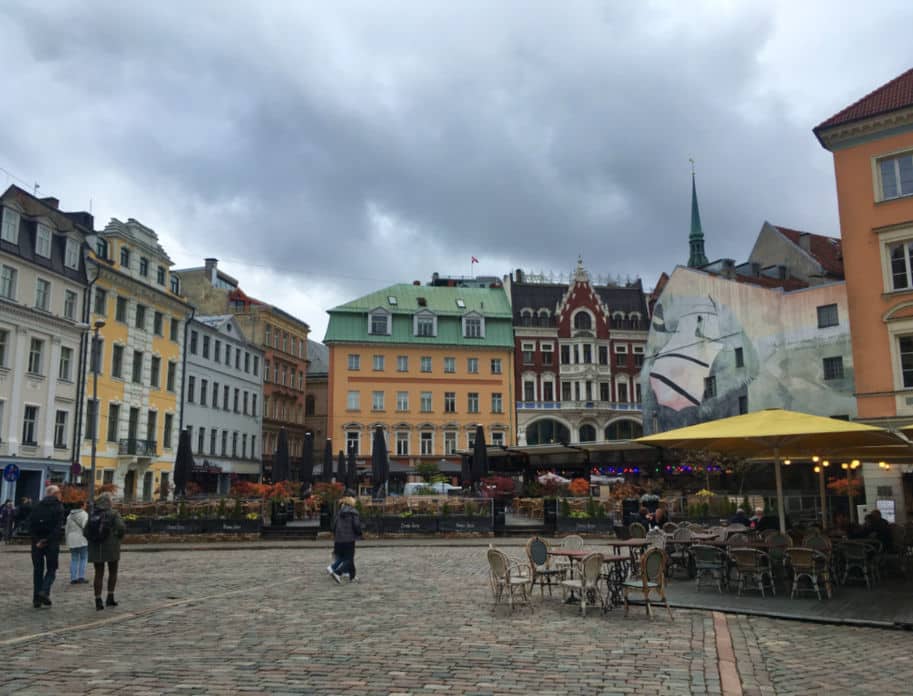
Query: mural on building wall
x=718 y=348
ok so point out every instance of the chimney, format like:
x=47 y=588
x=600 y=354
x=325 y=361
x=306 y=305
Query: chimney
x=51 y=202
x=728 y=270
x=212 y=266
x=805 y=241
x=416 y=282
x=519 y=275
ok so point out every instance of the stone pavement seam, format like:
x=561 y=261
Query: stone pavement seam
x=730 y=682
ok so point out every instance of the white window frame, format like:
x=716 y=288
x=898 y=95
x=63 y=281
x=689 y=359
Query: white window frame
x=471 y=317
x=65 y=366
x=40 y=358
x=887 y=240
x=8 y=278
x=497 y=438
x=496 y=366
x=402 y=363
x=378 y=313
x=42 y=294
x=43 y=237
x=377 y=363
x=10 y=226
x=497 y=402
x=32 y=441
x=4 y=346
x=420 y=319
x=377 y=400
x=353 y=400
x=426 y=360
x=402 y=443
x=60 y=429
x=472 y=399
x=449 y=365
x=353 y=441
x=402 y=401
x=70 y=301
x=472 y=366
x=354 y=362
x=426 y=437
x=450 y=441
x=71 y=258
x=427 y=402
x=878 y=177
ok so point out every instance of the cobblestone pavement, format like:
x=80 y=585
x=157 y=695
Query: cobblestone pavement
x=272 y=621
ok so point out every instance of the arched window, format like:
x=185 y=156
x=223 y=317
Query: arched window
x=309 y=405
x=587 y=433
x=583 y=322
x=623 y=430
x=545 y=431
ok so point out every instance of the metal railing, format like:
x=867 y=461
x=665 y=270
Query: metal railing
x=569 y=405
x=141 y=448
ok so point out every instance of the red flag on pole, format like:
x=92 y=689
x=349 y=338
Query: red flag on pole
x=474 y=259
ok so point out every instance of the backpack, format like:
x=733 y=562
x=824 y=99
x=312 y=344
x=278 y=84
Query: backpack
x=98 y=528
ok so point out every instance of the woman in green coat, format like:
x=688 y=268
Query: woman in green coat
x=104 y=531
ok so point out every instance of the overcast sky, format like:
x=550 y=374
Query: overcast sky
x=325 y=150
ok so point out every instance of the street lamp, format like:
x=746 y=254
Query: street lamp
x=95 y=360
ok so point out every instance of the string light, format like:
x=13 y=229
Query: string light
x=844 y=465
x=815 y=458
x=825 y=463
x=817 y=469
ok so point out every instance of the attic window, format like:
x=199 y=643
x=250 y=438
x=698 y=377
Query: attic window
x=422 y=302
x=460 y=303
x=391 y=299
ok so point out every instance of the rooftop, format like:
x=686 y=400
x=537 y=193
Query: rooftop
x=891 y=96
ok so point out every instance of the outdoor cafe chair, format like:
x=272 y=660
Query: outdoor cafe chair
x=709 y=561
x=670 y=527
x=657 y=539
x=811 y=564
x=637 y=530
x=777 y=546
x=510 y=579
x=652 y=579
x=572 y=542
x=587 y=582
x=768 y=533
x=737 y=539
x=679 y=553
x=540 y=565
x=754 y=566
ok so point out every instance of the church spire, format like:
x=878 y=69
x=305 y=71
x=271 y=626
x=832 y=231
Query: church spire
x=697 y=257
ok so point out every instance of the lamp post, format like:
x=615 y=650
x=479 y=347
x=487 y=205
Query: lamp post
x=96 y=358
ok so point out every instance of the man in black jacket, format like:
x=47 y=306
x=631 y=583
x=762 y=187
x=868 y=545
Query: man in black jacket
x=45 y=523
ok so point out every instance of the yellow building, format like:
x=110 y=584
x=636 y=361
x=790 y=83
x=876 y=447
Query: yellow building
x=140 y=364
x=428 y=364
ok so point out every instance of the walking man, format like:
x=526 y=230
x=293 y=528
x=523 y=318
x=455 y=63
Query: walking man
x=45 y=522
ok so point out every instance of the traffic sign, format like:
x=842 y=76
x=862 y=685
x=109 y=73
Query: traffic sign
x=11 y=473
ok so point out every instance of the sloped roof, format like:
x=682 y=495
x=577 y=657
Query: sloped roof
x=538 y=295
x=894 y=95
x=490 y=302
x=319 y=357
x=827 y=251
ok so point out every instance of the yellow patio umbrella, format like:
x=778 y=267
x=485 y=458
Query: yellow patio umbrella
x=773 y=434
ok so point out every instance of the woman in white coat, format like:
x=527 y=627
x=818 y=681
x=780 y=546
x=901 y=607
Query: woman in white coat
x=78 y=544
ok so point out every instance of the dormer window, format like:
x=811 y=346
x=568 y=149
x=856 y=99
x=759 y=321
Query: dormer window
x=391 y=299
x=10 y=226
x=43 y=241
x=379 y=323
x=583 y=321
x=125 y=257
x=473 y=326
x=175 y=285
x=424 y=324
x=101 y=249
x=72 y=255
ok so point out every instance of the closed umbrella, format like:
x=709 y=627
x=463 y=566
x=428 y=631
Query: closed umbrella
x=352 y=473
x=327 y=473
x=380 y=465
x=341 y=466
x=479 y=456
x=307 y=459
x=183 y=464
x=280 y=459
x=465 y=470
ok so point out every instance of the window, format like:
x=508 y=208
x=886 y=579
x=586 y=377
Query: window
x=565 y=355
x=622 y=389
x=215 y=395
x=379 y=324
x=353 y=400
x=237 y=400
x=603 y=355
x=204 y=392
x=201 y=440
x=450 y=440
x=117 y=361
x=10 y=231
x=173 y=335
x=402 y=443
x=352 y=440
x=896 y=176
x=206 y=347
x=449 y=365
x=69 y=304
x=166 y=433
x=472 y=327
x=548 y=391
x=427 y=440
x=120 y=309
x=194 y=338
x=377 y=401
x=30 y=426
x=424 y=325
x=402 y=401
x=43 y=241
x=566 y=391
x=833 y=367
x=4 y=339
x=244 y=446
x=256 y=365
x=91 y=418
x=743 y=404
x=191 y=389
x=587 y=354
x=245 y=400
x=905 y=347
x=170 y=376
x=426 y=402
x=354 y=361
x=175 y=285
x=583 y=321
x=739 y=357
x=449 y=402
x=267 y=334
x=125 y=257
x=101 y=249
x=827 y=316
x=378 y=363
x=213 y=439
x=138 y=367
x=472 y=405
x=496 y=366
x=234 y=444
x=160 y=275
x=548 y=353
x=246 y=361
x=42 y=294
x=472 y=365
x=8 y=282
x=71 y=255
x=497 y=438
x=36 y=348
x=140 y=317
x=143 y=266
x=709 y=387
x=60 y=430
x=901 y=275
x=426 y=363
x=402 y=363
x=496 y=403
x=158 y=321
x=225 y=394
x=224 y=443
x=66 y=364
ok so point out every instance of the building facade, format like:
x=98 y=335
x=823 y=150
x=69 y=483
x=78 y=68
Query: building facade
x=872 y=145
x=577 y=354
x=283 y=340
x=139 y=365
x=222 y=406
x=426 y=363
x=42 y=332
x=316 y=400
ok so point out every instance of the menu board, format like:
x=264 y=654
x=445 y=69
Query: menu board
x=887 y=509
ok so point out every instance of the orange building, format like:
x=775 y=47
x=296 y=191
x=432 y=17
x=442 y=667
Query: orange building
x=872 y=143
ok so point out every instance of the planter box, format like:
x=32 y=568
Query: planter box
x=462 y=523
x=593 y=525
x=410 y=525
x=238 y=526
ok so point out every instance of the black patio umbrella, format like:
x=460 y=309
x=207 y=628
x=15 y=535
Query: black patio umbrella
x=465 y=470
x=341 y=467
x=280 y=459
x=380 y=464
x=307 y=459
x=183 y=464
x=479 y=456
x=327 y=474
x=352 y=472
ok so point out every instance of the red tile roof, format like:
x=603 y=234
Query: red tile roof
x=896 y=94
x=825 y=250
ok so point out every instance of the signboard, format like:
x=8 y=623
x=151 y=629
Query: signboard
x=11 y=473
x=886 y=507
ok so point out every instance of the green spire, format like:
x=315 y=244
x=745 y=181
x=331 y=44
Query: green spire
x=696 y=238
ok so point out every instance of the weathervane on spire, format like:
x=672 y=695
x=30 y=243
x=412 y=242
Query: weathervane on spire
x=691 y=159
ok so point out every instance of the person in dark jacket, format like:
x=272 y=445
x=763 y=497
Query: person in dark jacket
x=45 y=522
x=346 y=530
x=23 y=512
x=7 y=520
x=740 y=518
x=106 y=550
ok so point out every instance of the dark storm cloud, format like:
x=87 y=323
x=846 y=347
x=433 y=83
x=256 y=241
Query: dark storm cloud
x=389 y=140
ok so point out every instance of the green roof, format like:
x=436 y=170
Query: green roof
x=349 y=321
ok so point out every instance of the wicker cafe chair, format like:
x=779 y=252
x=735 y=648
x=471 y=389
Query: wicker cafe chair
x=737 y=539
x=657 y=539
x=509 y=578
x=679 y=553
x=810 y=564
x=540 y=565
x=670 y=527
x=572 y=542
x=857 y=557
x=754 y=566
x=709 y=560
x=587 y=582
x=652 y=579
x=637 y=530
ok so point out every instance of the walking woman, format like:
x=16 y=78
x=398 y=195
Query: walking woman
x=104 y=532
x=346 y=530
x=77 y=543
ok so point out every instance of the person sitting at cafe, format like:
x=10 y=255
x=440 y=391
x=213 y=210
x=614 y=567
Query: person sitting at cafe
x=739 y=518
x=756 y=518
x=878 y=527
x=660 y=517
x=645 y=517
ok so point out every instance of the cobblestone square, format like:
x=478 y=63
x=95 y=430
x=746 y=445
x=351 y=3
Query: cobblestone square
x=420 y=621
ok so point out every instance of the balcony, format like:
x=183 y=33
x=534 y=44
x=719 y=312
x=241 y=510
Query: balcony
x=579 y=405
x=137 y=448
